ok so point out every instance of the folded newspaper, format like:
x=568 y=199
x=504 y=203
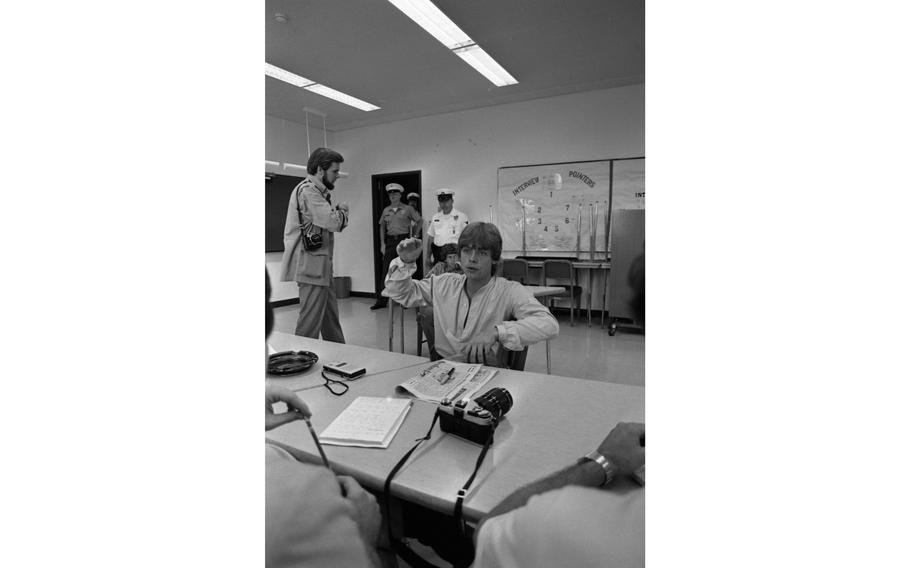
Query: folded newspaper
x=447 y=380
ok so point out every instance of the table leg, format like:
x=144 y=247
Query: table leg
x=391 y=322
x=402 y=329
x=548 y=358
x=590 y=292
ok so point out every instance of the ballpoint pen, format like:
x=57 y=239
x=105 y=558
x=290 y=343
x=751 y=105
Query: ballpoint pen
x=325 y=460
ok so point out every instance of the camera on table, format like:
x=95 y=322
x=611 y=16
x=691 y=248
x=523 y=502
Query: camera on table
x=475 y=420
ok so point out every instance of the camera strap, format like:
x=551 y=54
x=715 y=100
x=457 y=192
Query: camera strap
x=459 y=520
x=400 y=547
x=305 y=228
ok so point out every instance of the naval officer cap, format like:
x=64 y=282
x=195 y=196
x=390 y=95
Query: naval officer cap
x=394 y=187
x=413 y=195
x=444 y=194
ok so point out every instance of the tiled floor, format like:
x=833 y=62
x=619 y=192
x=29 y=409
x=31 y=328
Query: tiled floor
x=579 y=351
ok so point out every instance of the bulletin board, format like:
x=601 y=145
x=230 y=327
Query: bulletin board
x=566 y=208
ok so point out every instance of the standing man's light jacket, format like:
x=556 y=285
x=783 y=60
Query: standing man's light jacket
x=297 y=264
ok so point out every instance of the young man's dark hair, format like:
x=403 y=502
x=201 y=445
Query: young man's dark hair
x=322 y=158
x=482 y=236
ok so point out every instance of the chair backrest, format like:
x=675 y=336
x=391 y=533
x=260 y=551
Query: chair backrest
x=516 y=359
x=514 y=269
x=558 y=269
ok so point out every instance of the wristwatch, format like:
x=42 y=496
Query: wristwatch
x=608 y=467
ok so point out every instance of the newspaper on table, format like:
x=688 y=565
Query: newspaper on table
x=447 y=380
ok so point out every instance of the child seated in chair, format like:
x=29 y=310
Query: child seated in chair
x=452 y=261
x=452 y=264
x=473 y=310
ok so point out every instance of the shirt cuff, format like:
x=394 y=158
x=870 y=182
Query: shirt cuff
x=508 y=337
x=400 y=270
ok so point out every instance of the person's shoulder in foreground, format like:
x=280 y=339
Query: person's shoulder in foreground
x=308 y=522
x=573 y=526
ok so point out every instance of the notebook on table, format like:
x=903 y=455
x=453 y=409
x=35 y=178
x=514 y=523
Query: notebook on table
x=368 y=422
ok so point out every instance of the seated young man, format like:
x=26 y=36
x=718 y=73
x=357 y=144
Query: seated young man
x=473 y=312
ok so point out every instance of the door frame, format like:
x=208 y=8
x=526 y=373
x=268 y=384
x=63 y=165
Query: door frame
x=412 y=183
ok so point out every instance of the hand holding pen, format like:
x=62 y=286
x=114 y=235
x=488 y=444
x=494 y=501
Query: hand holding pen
x=297 y=409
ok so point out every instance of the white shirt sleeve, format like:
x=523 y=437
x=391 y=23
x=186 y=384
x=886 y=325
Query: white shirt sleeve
x=573 y=526
x=401 y=288
x=534 y=321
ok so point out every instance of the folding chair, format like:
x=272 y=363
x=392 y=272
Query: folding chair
x=562 y=270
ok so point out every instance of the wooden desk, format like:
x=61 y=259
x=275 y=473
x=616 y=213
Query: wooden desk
x=590 y=266
x=553 y=421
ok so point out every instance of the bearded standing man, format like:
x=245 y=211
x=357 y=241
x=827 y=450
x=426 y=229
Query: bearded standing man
x=310 y=212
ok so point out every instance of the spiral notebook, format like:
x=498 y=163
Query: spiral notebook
x=369 y=422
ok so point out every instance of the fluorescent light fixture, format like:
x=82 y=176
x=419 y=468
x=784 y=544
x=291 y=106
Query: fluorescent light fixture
x=485 y=65
x=298 y=81
x=271 y=163
x=426 y=15
x=290 y=165
x=286 y=76
x=340 y=97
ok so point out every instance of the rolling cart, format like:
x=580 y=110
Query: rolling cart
x=628 y=229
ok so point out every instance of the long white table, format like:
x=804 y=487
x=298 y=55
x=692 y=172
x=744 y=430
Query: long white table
x=553 y=421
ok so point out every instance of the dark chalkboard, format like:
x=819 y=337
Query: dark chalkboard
x=278 y=190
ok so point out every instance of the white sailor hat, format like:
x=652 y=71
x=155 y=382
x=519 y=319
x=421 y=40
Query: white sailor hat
x=413 y=195
x=394 y=187
x=445 y=193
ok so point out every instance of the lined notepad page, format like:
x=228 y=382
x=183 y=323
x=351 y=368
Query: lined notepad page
x=368 y=421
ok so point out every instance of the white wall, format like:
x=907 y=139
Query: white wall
x=285 y=140
x=462 y=151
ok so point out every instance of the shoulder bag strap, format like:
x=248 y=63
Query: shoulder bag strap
x=305 y=227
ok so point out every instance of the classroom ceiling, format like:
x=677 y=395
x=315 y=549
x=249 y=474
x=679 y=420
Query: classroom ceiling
x=371 y=50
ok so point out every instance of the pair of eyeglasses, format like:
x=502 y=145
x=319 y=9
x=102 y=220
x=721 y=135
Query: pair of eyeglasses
x=337 y=386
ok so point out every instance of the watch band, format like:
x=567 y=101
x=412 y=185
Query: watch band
x=608 y=467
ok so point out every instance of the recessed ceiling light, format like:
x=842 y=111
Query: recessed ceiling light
x=429 y=17
x=281 y=18
x=340 y=97
x=313 y=86
x=287 y=76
